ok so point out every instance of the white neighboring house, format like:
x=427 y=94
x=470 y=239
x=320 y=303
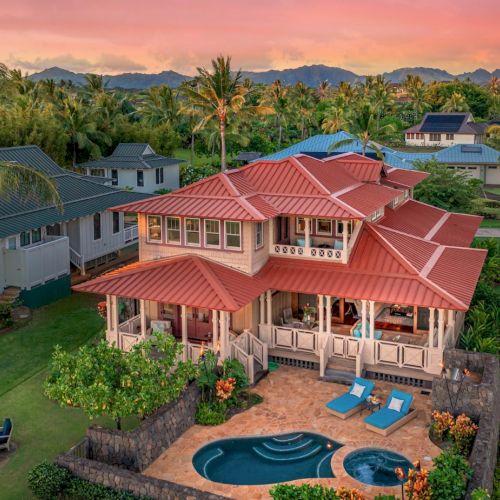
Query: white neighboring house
x=38 y=243
x=445 y=129
x=136 y=166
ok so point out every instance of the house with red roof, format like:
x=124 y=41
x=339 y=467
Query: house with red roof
x=324 y=263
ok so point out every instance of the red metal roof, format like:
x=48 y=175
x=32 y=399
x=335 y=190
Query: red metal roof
x=400 y=177
x=369 y=197
x=188 y=280
x=458 y=230
x=360 y=167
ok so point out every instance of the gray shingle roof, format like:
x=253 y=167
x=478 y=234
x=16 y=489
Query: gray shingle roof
x=248 y=156
x=132 y=156
x=81 y=195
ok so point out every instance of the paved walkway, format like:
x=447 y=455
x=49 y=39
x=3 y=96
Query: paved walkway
x=488 y=232
x=294 y=400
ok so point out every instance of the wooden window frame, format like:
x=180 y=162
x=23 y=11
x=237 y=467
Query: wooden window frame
x=148 y=238
x=205 y=232
x=167 y=239
x=227 y=233
x=257 y=244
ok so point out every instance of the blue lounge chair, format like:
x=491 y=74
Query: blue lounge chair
x=5 y=434
x=387 y=420
x=348 y=404
x=356 y=332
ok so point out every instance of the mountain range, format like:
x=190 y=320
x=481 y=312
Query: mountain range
x=310 y=75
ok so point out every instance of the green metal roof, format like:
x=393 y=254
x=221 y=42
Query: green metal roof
x=81 y=195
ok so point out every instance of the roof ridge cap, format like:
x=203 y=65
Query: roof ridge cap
x=229 y=184
x=437 y=226
x=347 y=189
x=438 y=251
x=402 y=233
x=305 y=172
x=204 y=267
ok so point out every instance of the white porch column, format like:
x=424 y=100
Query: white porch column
x=109 y=321
x=307 y=234
x=431 y=326
x=142 y=306
x=440 y=328
x=262 y=311
x=372 y=320
x=215 y=329
x=451 y=317
x=271 y=232
x=184 y=332
x=345 y=255
x=114 y=313
x=328 y=314
x=223 y=335
x=321 y=314
x=363 y=319
x=269 y=303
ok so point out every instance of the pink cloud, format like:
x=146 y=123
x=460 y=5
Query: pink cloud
x=364 y=36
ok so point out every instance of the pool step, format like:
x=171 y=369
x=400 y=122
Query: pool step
x=324 y=467
x=288 y=438
x=287 y=447
x=217 y=453
x=272 y=457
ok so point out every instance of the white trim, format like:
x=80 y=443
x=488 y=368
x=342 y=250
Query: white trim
x=167 y=240
x=226 y=246
x=297 y=230
x=148 y=239
x=205 y=232
x=323 y=233
x=257 y=246
x=186 y=232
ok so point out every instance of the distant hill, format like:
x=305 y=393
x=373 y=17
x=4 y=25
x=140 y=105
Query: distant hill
x=310 y=75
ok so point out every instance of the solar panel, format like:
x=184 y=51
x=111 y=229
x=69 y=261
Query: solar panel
x=470 y=149
x=442 y=123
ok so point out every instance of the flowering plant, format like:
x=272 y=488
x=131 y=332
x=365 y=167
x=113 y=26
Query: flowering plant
x=344 y=493
x=463 y=431
x=374 y=399
x=309 y=312
x=441 y=425
x=102 y=308
x=224 y=388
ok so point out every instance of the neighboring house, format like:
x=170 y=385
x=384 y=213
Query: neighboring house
x=38 y=243
x=138 y=167
x=445 y=129
x=244 y=157
x=478 y=160
x=235 y=262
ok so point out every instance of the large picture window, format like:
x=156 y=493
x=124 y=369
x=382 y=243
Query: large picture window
x=97 y=226
x=25 y=238
x=233 y=234
x=212 y=233
x=174 y=230
x=154 y=228
x=259 y=235
x=324 y=227
x=193 y=232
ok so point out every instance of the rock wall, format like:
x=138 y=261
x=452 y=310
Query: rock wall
x=480 y=401
x=137 y=449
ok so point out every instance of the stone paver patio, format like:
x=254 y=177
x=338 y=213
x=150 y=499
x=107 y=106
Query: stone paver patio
x=294 y=400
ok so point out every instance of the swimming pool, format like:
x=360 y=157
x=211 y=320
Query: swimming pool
x=266 y=459
x=375 y=466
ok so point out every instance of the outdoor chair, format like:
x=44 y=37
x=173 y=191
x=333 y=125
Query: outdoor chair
x=356 y=332
x=5 y=434
x=395 y=413
x=352 y=401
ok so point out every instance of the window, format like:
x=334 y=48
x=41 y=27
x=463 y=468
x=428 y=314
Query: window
x=140 y=178
x=36 y=235
x=114 y=176
x=450 y=137
x=212 y=233
x=174 y=230
x=300 y=225
x=411 y=135
x=11 y=243
x=435 y=137
x=419 y=136
x=233 y=234
x=340 y=229
x=159 y=175
x=259 y=235
x=97 y=226
x=324 y=227
x=116 y=222
x=54 y=230
x=193 y=232
x=154 y=228
x=25 y=238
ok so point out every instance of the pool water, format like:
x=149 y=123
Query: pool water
x=266 y=459
x=375 y=466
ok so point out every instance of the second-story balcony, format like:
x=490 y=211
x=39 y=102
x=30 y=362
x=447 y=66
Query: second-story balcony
x=323 y=239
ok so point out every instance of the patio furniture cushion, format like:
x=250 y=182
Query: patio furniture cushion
x=396 y=404
x=405 y=396
x=357 y=332
x=357 y=390
x=301 y=242
x=338 y=245
x=348 y=401
x=383 y=418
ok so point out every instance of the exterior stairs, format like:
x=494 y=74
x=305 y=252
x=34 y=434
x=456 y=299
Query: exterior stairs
x=10 y=295
x=259 y=372
x=340 y=371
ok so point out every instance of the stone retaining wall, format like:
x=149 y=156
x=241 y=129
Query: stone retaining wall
x=480 y=401
x=137 y=449
x=133 y=482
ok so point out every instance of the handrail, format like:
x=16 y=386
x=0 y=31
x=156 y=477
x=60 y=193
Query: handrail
x=130 y=233
x=250 y=344
x=246 y=359
x=329 y=254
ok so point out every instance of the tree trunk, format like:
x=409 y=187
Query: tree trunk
x=192 y=149
x=280 y=134
x=74 y=154
x=223 y=165
x=118 y=421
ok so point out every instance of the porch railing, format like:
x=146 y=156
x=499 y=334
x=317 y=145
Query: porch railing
x=344 y=346
x=329 y=254
x=247 y=360
x=401 y=355
x=130 y=234
x=295 y=339
x=252 y=345
x=130 y=326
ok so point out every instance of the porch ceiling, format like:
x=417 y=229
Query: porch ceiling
x=188 y=280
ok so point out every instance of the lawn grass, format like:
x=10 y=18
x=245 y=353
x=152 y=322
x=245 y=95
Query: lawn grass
x=69 y=322
x=42 y=429
x=491 y=223
x=494 y=190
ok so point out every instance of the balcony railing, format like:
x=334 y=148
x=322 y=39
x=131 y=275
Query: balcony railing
x=130 y=234
x=328 y=254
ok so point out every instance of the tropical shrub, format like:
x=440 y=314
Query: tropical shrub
x=463 y=431
x=441 y=424
x=316 y=492
x=448 y=479
x=6 y=316
x=190 y=174
x=480 y=494
x=211 y=413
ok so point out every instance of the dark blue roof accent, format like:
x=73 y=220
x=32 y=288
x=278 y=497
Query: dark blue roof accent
x=442 y=123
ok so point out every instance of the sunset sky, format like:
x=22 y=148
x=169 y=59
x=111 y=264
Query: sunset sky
x=365 y=36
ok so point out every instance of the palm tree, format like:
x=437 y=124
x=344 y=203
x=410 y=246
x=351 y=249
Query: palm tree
x=417 y=91
x=219 y=96
x=362 y=124
x=324 y=89
x=276 y=97
x=304 y=105
x=382 y=96
x=160 y=106
x=336 y=118
x=346 y=90
x=28 y=184
x=455 y=103
x=494 y=85
x=94 y=85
